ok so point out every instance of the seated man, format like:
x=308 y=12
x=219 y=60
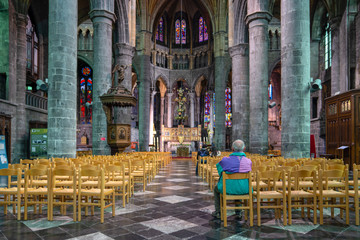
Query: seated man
x=235 y=163
x=203 y=152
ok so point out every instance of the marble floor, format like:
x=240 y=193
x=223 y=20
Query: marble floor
x=175 y=205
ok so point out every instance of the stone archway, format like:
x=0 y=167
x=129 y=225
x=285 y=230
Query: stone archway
x=274 y=112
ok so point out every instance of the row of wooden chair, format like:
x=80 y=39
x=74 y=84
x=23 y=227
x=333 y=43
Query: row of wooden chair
x=296 y=189
x=86 y=181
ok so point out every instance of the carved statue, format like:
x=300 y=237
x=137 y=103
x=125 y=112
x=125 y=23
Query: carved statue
x=118 y=73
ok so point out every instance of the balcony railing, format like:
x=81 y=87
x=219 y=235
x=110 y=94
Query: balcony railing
x=36 y=101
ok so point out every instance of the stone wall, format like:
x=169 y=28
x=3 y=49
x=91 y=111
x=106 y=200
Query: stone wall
x=191 y=76
x=319 y=141
x=4 y=45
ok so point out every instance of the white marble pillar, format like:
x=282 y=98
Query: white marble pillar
x=151 y=125
x=169 y=116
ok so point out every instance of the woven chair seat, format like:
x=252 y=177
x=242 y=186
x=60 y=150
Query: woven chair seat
x=331 y=193
x=10 y=190
x=270 y=194
x=37 y=191
x=115 y=183
x=92 y=192
x=66 y=191
x=300 y=193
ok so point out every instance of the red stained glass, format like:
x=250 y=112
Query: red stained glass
x=86 y=71
x=201 y=29
x=85 y=95
x=177 y=31
x=228 y=112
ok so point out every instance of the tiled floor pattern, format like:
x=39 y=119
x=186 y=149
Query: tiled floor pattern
x=176 y=205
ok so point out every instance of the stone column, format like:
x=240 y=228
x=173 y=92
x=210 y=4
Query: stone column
x=335 y=55
x=295 y=78
x=153 y=55
x=192 y=109
x=103 y=17
x=169 y=112
x=162 y=106
x=21 y=130
x=143 y=65
x=162 y=109
x=151 y=124
x=221 y=72
x=198 y=109
x=124 y=54
x=220 y=85
x=192 y=61
x=258 y=20
x=62 y=78
x=170 y=61
x=211 y=125
x=240 y=92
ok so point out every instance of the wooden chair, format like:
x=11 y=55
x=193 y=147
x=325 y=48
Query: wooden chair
x=138 y=171
x=247 y=200
x=296 y=195
x=35 y=194
x=329 y=196
x=97 y=194
x=270 y=193
x=9 y=191
x=128 y=175
x=354 y=194
x=352 y=182
x=253 y=172
x=118 y=182
x=27 y=162
x=60 y=193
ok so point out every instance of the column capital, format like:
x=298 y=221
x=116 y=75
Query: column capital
x=22 y=6
x=191 y=96
x=21 y=18
x=335 y=22
x=241 y=49
x=261 y=15
x=101 y=13
x=169 y=94
x=125 y=49
x=153 y=93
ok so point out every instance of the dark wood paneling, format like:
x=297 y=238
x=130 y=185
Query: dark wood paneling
x=343 y=125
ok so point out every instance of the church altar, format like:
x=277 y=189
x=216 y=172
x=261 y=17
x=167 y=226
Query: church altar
x=180 y=137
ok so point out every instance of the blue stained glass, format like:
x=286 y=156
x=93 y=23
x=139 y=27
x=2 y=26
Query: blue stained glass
x=177 y=31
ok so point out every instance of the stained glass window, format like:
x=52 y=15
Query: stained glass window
x=160 y=31
x=327 y=43
x=228 y=112
x=207 y=110
x=203 y=34
x=86 y=71
x=85 y=95
x=270 y=91
x=183 y=31
x=177 y=31
x=201 y=29
x=180 y=32
x=32 y=48
x=206 y=36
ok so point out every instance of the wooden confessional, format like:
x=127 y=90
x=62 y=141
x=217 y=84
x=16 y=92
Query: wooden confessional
x=343 y=126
